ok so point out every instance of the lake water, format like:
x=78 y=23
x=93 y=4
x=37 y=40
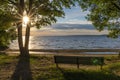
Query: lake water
x=70 y=42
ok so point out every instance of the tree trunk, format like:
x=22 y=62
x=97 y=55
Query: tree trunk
x=24 y=49
x=19 y=27
x=27 y=36
x=20 y=39
x=119 y=55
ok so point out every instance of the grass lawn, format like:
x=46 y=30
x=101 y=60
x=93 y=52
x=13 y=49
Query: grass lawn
x=42 y=67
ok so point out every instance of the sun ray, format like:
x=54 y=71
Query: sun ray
x=25 y=19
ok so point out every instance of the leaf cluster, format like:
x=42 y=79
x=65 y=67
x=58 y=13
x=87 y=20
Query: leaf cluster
x=46 y=12
x=104 y=14
x=41 y=12
x=7 y=30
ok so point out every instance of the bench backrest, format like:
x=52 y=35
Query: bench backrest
x=65 y=59
x=91 y=60
x=87 y=60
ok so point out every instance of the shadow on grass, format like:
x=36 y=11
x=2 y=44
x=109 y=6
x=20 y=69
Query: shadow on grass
x=76 y=74
x=88 y=75
x=22 y=70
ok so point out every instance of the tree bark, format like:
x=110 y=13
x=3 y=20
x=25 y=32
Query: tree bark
x=20 y=39
x=22 y=5
x=27 y=36
x=24 y=49
x=19 y=27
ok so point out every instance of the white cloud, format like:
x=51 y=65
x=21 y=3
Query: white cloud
x=76 y=21
x=54 y=32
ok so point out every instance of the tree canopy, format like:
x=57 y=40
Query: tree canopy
x=40 y=12
x=104 y=14
x=7 y=32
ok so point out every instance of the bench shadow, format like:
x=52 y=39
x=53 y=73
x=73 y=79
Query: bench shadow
x=88 y=75
x=22 y=70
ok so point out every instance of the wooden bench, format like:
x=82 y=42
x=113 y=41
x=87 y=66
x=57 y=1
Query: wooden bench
x=84 y=60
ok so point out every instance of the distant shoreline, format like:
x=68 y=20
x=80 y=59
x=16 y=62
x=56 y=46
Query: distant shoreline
x=65 y=35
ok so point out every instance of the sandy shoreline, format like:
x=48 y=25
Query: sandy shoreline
x=76 y=52
x=65 y=54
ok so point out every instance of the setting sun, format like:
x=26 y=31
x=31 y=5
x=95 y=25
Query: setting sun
x=25 y=20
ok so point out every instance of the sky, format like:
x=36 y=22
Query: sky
x=75 y=15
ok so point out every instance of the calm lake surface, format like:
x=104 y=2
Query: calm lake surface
x=70 y=42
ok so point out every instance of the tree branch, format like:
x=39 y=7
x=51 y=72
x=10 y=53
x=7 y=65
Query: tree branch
x=118 y=7
x=30 y=4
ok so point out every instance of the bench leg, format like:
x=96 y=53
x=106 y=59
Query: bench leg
x=77 y=62
x=56 y=65
x=78 y=66
x=101 y=67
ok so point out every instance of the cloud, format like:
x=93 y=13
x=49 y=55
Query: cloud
x=75 y=15
x=76 y=21
x=54 y=32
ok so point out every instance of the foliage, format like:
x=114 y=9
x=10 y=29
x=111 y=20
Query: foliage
x=42 y=12
x=6 y=37
x=7 y=32
x=104 y=14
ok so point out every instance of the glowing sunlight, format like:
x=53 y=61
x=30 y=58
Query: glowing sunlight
x=25 y=20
